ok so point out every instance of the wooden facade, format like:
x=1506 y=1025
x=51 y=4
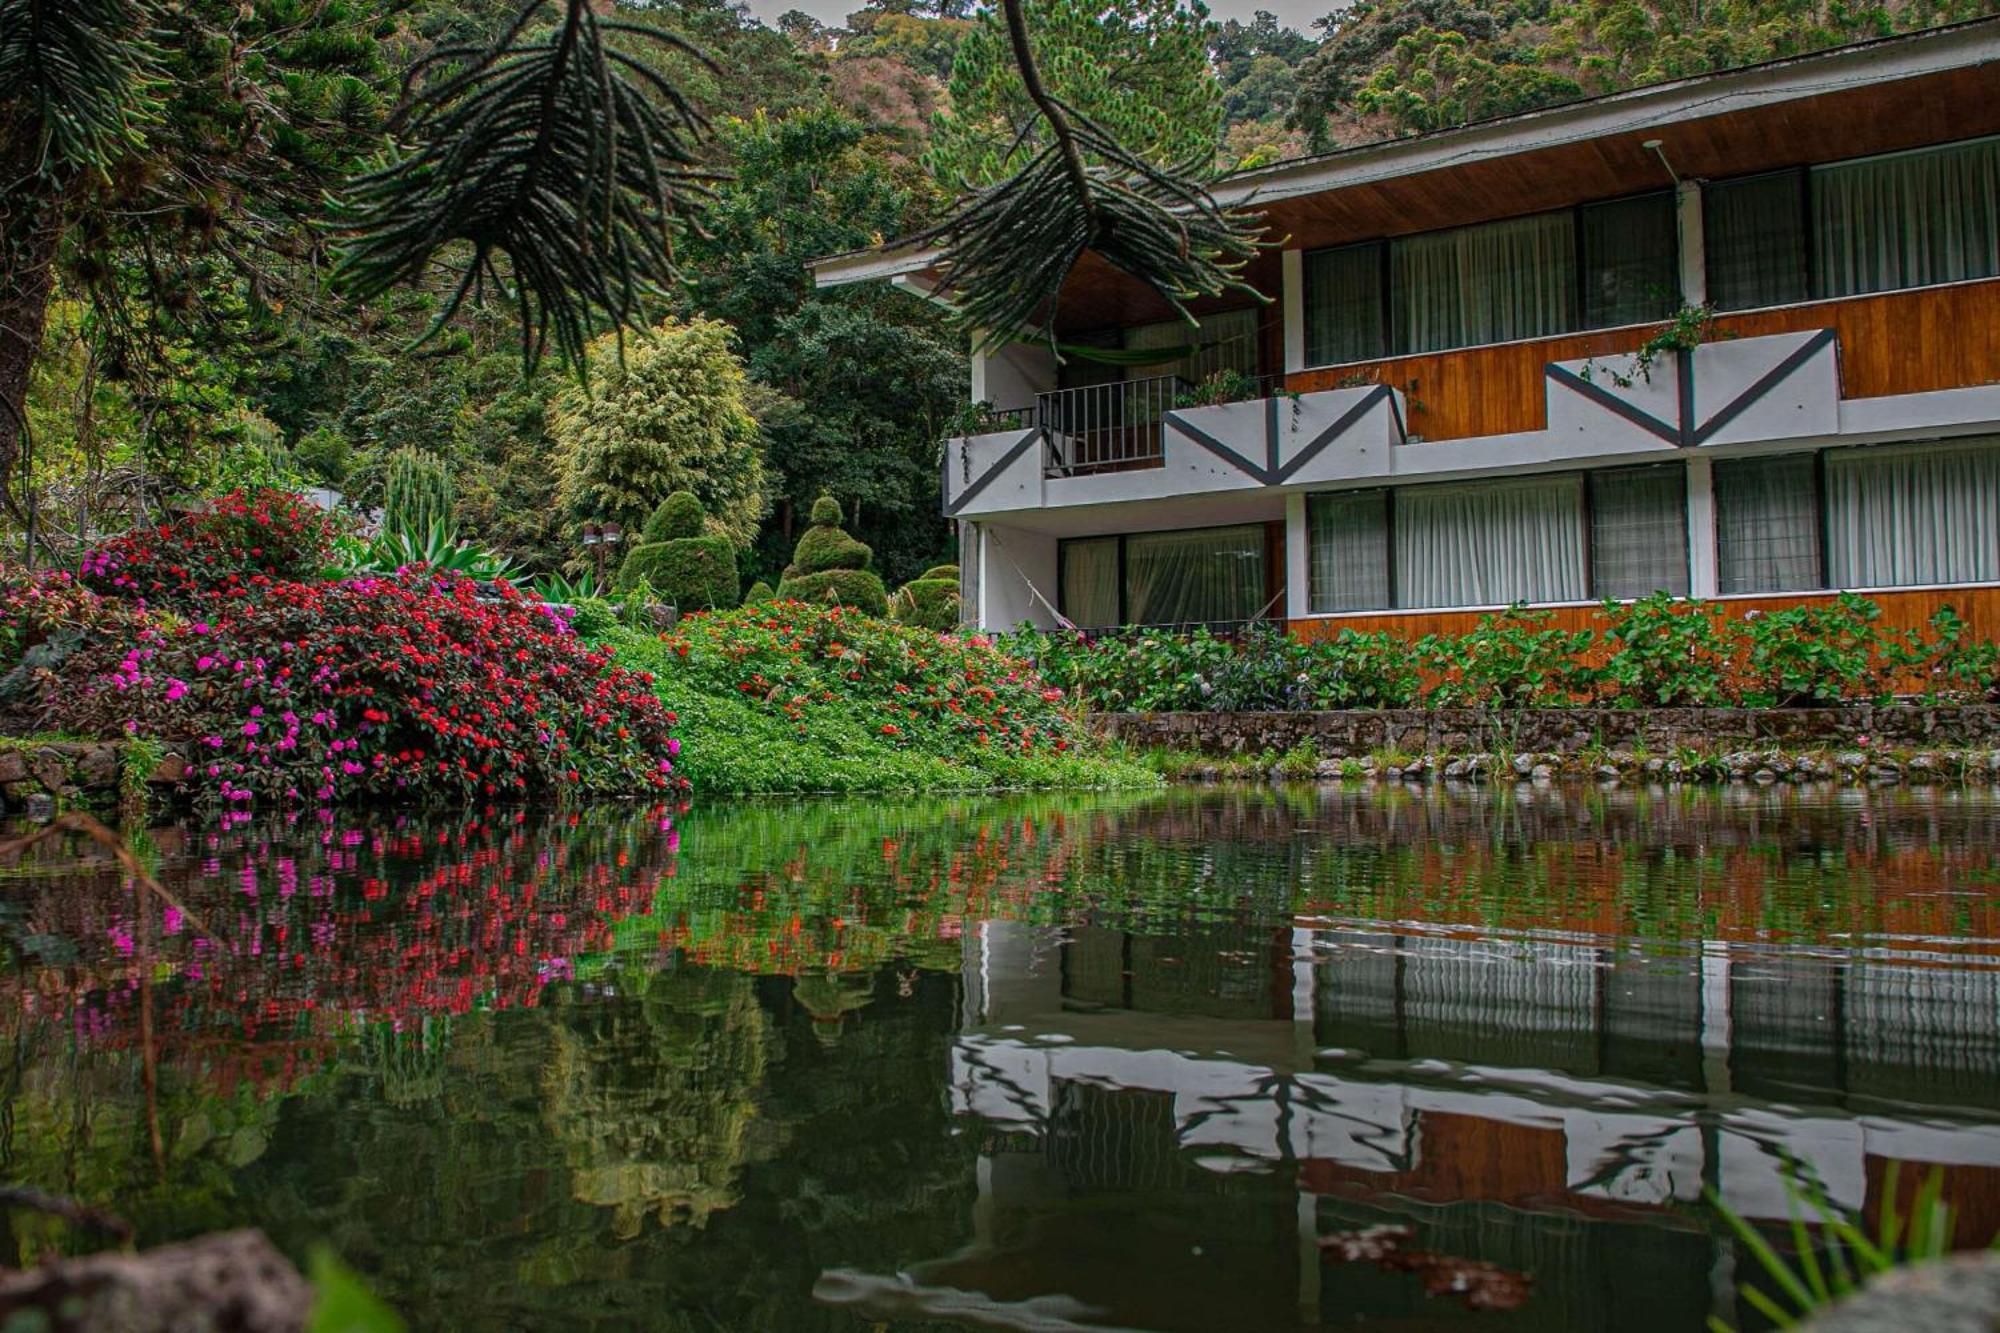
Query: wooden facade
x=1903 y=609
x=1909 y=341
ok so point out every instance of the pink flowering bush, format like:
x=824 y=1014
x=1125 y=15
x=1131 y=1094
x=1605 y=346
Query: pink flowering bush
x=415 y=685
x=232 y=549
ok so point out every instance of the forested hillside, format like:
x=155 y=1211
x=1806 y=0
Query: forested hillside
x=196 y=339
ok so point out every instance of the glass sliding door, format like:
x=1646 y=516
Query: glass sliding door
x=1348 y=546
x=1638 y=531
x=1631 y=260
x=1767 y=524
x=1901 y=517
x=1202 y=576
x=1343 y=304
x=1492 y=283
x=1491 y=543
x=1907 y=219
x=1089 y=582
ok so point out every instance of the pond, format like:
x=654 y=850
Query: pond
x=1162 y=1061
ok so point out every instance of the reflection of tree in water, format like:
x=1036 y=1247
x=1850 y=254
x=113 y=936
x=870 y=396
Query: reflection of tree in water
x=655 y=1103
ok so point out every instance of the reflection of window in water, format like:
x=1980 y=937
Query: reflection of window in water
x=1219 y=971
x=1114 y=1138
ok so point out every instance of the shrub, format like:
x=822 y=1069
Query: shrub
x=927 y=604
x=1356 y=669
x=760 y=591
x=1666 y=652
x=941 y=572
x=240 y=542
x=679 y=515
x=839 y=587
x=1516 y=658
x=830 y=566
x=679 y=565
x=1822 y=653
x=416 y=684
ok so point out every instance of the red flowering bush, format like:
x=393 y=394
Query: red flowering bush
x=411 y=685
x=236 y=546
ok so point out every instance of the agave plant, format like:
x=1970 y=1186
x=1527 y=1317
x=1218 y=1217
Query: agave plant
x=569 y=592
x=438 y=549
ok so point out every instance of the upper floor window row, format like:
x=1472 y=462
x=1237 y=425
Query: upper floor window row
x=1875 y=224
x=1592 y=267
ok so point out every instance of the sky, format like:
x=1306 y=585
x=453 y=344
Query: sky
x=1298 y=14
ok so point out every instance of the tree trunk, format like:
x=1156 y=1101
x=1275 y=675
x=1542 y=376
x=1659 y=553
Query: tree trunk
x=31 y=222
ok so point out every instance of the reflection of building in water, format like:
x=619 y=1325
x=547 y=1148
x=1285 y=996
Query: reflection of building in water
x=1540 y=1103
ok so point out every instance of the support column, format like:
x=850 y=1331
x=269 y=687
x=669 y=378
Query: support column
x=1292 y=271
x=1694 y=247
x=1296 y=583
x=1703 y=579
x=1716 y=1018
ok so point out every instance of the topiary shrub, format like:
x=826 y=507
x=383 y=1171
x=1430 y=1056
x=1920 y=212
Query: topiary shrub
x=927 y=603
x=829 y=565
x=841 y=587
x=760 y=591
x=941 y=572
x=679 y=515
x=692 y=573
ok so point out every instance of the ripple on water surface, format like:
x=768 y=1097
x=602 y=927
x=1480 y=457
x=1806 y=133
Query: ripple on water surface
x=1203 y=1060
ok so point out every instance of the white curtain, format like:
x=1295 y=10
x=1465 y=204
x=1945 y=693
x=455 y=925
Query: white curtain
x=1348 y=552
x=1343 y=304
x=1908 y=219
x=1631 y=260
x=1754 y=238
x=1638 y=531
x=1204 y=576
x=1902 y=516
x=1767 y=524
x=1486 y=284
x=1491 y=543
x=1089 y=596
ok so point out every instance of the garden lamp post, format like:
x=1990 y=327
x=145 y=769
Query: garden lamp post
x=598 y=536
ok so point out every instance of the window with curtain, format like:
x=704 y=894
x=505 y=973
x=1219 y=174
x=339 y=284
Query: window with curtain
x=1491 y=283
x=1907 y=219
x=1898 y=517
x=1631 y=260
x=1347 y=561
x=1223 y=341
x=1491 y=543
x=1343 y=304
x=1201 y=576
x=1767 y=532
x=1089 y=586
x=1638 y=531
x=1754 y=232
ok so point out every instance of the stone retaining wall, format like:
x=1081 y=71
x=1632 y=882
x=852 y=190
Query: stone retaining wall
x=1562 y=731
x=34 y=775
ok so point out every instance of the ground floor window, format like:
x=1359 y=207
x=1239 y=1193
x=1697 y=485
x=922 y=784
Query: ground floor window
x=1566 y=537
x=1197 y=576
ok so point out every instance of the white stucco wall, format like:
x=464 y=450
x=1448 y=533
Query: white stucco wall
x=1017 y=577
x=1012 y=375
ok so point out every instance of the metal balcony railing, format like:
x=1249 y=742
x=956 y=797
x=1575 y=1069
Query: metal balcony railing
x=1106 y=427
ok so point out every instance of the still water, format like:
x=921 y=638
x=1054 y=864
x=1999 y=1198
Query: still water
x=1083 y=1062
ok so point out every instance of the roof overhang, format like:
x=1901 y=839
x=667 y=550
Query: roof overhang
x=1938 y=51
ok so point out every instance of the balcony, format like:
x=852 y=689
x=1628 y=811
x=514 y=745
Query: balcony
x=1107 y=427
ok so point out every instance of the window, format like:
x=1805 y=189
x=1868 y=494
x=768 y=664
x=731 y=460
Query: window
x=1897 y=517
x=1200 y=576
x=1089 y=582
x=1485 y=284
x=1755 y=235
x=1348 y=538
x=1343 y=304
x=1491 y=543
x=1767 y=528
x=1638 y=531
x=1631 y=260
x=1907 y=219
x=1219 y=342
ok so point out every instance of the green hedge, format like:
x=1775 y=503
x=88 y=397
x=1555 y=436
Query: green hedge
x=679 y=515
x=693 y=573
x=822 y=548
x=847 y=587
x=927 y=603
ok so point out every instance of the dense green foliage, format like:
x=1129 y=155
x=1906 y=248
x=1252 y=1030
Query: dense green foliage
x=1655 y=652
x=786 y=696
x=677 y=564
